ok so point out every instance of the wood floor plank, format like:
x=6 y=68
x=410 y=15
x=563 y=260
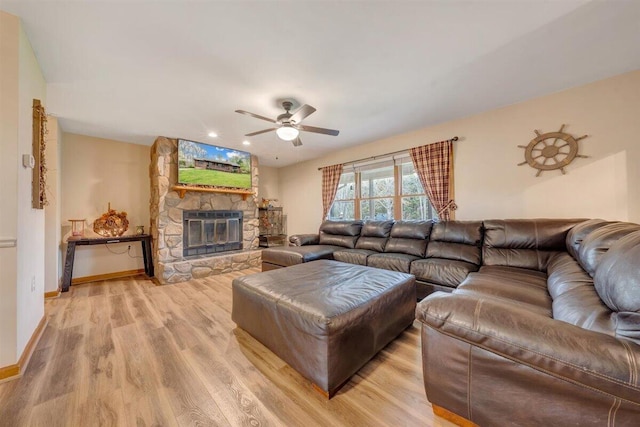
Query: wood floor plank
x=128 y=353
x=17 y=396
x=61 y=370
x=188 y=396
x=237 y=402
x=144 y=406
x=120 y=315
x=52 y=413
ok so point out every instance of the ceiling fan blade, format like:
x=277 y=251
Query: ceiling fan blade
x=314 y=129
x=296 y=142
x=302 y=113
x=255 y=115
x=260 y=131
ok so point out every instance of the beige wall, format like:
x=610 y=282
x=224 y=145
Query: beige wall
x=30 y=280
x=9 y=40
x=22 y=265
x=268 y=187
x=95 y=172
x=488 y=182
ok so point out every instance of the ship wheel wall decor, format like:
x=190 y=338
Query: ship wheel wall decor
x=551 y=151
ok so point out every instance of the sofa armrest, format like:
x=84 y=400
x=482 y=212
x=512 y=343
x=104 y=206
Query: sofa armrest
x=304 y=239
x=570 y=353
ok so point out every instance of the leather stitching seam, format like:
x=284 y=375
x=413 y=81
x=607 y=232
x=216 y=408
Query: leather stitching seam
x=632 y=364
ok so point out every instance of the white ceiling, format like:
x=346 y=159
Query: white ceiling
x=133 y=70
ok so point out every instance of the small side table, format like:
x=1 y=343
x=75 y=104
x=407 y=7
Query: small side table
x=144 y=239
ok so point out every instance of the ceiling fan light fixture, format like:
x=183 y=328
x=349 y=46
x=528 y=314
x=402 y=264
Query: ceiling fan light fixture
x=287 y=132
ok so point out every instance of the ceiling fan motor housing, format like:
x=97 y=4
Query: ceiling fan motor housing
x=284 y=117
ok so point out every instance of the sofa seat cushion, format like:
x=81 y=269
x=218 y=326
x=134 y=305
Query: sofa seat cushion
x=392 y=261
x=353 y=256
x=524 y=287
x=442 y=271
x=292 y=255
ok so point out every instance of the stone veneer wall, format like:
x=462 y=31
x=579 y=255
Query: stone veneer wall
x=166 y=208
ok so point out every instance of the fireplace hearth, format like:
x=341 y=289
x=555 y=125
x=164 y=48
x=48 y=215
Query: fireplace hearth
x=211 y=231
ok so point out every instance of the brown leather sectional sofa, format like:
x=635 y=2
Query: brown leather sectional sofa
x=439 y=254
x=541 y=321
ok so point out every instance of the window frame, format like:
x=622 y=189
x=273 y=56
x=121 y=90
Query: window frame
x=397 y=197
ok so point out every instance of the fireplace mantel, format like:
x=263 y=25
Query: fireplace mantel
x=182 y=190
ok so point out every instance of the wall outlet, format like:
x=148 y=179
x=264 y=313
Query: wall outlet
x=33 y=283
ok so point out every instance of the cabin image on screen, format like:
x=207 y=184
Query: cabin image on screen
x=216 y=165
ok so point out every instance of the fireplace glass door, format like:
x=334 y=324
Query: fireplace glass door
x=212 y=231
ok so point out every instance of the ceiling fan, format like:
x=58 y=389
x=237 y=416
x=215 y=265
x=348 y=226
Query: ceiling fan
x=288 y=124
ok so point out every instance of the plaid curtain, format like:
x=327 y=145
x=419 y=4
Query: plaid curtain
x=330 y=180
x=434 y=165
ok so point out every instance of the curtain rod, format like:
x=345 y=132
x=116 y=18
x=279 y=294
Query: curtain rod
x=455 y=138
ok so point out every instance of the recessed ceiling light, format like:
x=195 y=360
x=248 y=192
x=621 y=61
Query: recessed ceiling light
x=213 y=134
x=246 y=143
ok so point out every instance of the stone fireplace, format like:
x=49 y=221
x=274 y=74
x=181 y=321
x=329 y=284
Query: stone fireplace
x=202 y=233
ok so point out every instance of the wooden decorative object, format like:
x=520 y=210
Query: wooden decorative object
x=545 y=153
x=111 y=223
x=182 y=190
x=39 y=197
x=77 y=227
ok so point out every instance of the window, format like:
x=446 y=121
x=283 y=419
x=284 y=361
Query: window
x=344 y=204
x=383 y=190
x=414 y=202
x=376 y=193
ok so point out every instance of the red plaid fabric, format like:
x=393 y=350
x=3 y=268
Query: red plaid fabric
x=330 y=180
x=434 y=165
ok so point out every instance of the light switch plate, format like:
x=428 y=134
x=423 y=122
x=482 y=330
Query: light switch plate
x=28 y=161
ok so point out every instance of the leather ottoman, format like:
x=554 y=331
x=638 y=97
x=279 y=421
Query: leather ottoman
x=325 y=318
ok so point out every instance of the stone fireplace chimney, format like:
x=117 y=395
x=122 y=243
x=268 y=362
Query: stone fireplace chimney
x=167 y=221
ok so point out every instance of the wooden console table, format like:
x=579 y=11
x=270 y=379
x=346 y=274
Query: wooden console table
x=144 y=239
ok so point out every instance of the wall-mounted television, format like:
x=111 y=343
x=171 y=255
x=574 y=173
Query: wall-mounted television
x=210 y=165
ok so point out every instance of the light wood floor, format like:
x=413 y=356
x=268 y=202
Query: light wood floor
x=129 y=353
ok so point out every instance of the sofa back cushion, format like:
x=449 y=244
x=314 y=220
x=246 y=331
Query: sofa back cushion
x=524 y=243
x=374 y=235
x=577 y=234
x=618 y=283
x=409 y=237
x=340 y=233
x=597 y=243
x=456 y=240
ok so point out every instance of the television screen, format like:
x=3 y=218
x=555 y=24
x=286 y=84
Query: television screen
x=204 y=164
